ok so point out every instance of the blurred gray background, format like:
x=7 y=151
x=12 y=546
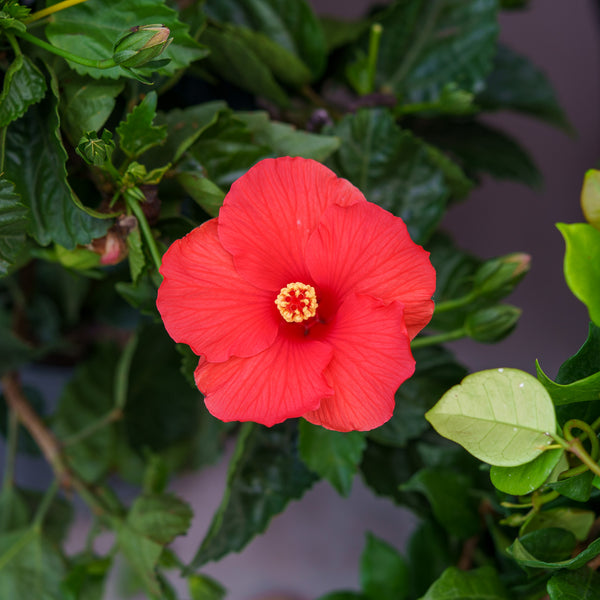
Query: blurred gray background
x=314 y=547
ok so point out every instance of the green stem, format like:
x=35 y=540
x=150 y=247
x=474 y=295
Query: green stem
x=455 y=303
x=12 y=438
x=87 y=62
x=431 y=340
x=122 y=373
x=374 y=40
x=40 y=14
x=136 y=209
x=40 y=514
x=575 y=446
x=107 y=419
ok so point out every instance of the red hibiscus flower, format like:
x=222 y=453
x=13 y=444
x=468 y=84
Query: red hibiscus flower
x=301 y=299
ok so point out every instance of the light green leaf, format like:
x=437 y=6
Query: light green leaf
x=13 y=226
x=590 y=197
x=426 y=45
x=478 y=584
x=202 y=190
x=35 y=163
x=23 y=86
x=501 y=416
x=333 y=455
x=516 y=84
x=265 y=473
x=30 y=566
x=202 y=587
x=583 y=584
x=582 y=264
x=384 y=574
x=137 y=259
x=102 y=30
x=137 y=133
x=524 y=479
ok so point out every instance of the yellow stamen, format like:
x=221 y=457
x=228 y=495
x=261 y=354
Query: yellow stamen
x=297 y=302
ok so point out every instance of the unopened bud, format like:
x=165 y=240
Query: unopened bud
x=590 y=198
x=96 y=150
x=140 y=45
x=492 y=324
x=498 y=277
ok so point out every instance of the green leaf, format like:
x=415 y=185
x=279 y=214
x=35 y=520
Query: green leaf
x=585 y=362
x=86 y=398
x=384 y=574
x=234 y=60
x=590 y=197
x=448 y=494
x=35 y=162
x=501 y=416
x=202 y=190
x=436 y=371
x=30 y=566
x=343 y=596
x=265 y=473
x=14 y=512
x=202 y=587
x=137 y=259
x=285 y=139
x=583 y=584
x=575 y=520
x=102 y=30
x=333 y=455
x=578 y=488
x=13 y=350
x=137 y=133
x=86 y=578
x=516 y=84
x=392 y=168
x=426 y=45
x=293 y=26
x=23 y=86
x=583 y=390
x=481 y=149
x=582 y=264
x=549 y=540
x=549 y=545
x=524 y=479
x=478 y=584
x=86 y=103
x=13 y=226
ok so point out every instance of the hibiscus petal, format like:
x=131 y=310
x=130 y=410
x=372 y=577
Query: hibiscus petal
x=367 y=250
x=205 y=303
x=270 y=212
x=371 y=358
x=282 y=382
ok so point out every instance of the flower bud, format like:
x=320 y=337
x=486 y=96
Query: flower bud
x=492 y=324
x=498 y=277
x=140 y=45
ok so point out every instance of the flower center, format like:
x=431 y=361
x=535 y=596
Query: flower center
x=297 y=302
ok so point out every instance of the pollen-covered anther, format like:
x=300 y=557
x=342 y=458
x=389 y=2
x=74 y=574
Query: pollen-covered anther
x=297 y=302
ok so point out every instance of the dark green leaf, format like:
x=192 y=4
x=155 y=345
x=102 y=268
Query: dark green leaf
x=202 y=190
x=585 y=362
x=137 y=133
x=384 y=574
x=583 y=390
x=426 y=45
x=265 y=473
x=102 y=30
x=516 y=84
x=13 y=350
x=13 y=226
x=30 y=566
x=86 y=578
x=88 y=397
x=136 y=256
x=450 y=499
x=160 y=517
x=522 y=555
x=141 y=295
x=291 y=25
x=478 y=584
x=23 y=86
x=436 y=371
x=35 y=162
x=86 y=103
x=235 y=61
x=392 y=168
x=576 y=488
x=331 y=454
x=575 y=520
x=583 y=584
x=14 y=511
x=484 y=149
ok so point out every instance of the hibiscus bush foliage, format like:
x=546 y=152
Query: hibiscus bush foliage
x=123 y=125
